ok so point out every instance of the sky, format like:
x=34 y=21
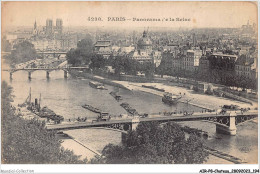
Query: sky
x=201 y=14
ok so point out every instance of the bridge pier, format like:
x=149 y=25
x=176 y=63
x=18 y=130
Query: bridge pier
x=65 y=74
x=231 y=129
x=135 y=122
x=47 y=74
x=29 y=75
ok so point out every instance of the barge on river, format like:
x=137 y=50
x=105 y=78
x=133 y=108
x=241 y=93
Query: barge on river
x=91 y=108
x=44 y=112
x=97 y=85
x=170 y=99
x=129 y=109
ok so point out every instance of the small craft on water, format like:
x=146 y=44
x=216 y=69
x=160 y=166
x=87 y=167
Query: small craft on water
x=97 y=85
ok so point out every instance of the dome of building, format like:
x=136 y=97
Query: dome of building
x=144 y=42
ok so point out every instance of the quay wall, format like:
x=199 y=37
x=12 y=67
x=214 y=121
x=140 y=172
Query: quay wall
x=92 y=77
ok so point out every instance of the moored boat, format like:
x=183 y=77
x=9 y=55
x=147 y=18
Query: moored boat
x=97 y=85
x=91 y=108
x=129 y=109
x=44 y=112
x=170 y=98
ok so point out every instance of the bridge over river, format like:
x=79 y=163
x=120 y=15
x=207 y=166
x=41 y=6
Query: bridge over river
x=47 y=69
x=224 y=123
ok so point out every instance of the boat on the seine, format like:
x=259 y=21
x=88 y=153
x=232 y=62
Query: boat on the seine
x=170 y=98
x=91 y=108
x=97 y=85
x=129 y=109
x=43 y=112
x=230 y=107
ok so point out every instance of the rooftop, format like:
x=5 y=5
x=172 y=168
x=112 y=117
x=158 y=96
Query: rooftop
x=103 y=43
x=243 y=60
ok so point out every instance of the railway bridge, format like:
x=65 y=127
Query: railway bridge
x=224 y=123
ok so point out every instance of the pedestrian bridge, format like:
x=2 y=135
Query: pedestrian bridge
x=47 y=69
x=224 y=123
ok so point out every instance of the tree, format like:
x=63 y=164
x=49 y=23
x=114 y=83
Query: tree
x=125 y=64
x=82 y=54
x=6 y=46
x=78 y=57
x=165 y=66
x=131 y=66
x=155 y=143
x=97 y=62
x=28 y=141
x=22 y=52
x=148 y=69
x=85 y=44
x=118 y=65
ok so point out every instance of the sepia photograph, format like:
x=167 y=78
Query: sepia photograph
x=119 y=82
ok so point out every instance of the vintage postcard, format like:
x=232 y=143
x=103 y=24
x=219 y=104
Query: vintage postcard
x=130 y=83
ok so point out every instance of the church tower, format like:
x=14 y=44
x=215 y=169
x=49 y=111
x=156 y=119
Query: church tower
x=35 y=30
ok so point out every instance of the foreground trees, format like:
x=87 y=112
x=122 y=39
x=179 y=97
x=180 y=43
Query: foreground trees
x=152 y=143
x=22 y=52
x=28 y=142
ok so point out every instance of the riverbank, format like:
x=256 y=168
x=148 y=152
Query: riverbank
x=90 y=142
x=78 y=147
x=200 y=100
x=83 y=145
x=100 y=79
x=196 y=99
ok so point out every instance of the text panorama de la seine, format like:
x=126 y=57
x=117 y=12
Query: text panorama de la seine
x=134 y=19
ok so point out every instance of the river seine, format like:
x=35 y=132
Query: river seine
x=66 y=96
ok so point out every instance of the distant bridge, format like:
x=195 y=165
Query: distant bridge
x=51 y=53
x=47 y=69
x=41 y=52
x=5 y=53
x=224 y=123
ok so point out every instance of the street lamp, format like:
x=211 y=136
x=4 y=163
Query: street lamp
x=187 y=102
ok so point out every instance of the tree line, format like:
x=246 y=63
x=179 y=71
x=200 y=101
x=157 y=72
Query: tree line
x=22 y=52
x=84 y=55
